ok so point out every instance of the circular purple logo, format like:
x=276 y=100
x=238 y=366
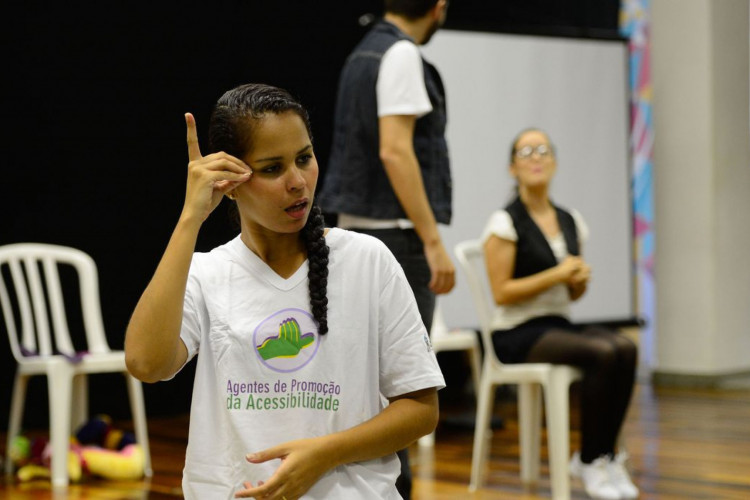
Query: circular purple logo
x=286 y=341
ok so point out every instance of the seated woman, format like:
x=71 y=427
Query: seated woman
x=314 y=366
x=533 y=252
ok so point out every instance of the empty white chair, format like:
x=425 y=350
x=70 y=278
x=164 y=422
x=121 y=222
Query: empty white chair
x=531 y=379
x=43 y=344
x=445 y=339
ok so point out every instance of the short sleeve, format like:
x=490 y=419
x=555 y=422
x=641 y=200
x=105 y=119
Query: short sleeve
x=193 y=316
x=581 y=227
x=407 y=362
x=501 y=225
x=400 y=88
x=193 y=312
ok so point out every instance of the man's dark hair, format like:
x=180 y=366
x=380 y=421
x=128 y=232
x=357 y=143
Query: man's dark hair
x=411 y=9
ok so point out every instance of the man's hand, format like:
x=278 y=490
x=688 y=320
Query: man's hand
x=442 y=268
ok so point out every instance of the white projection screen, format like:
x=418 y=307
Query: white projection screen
x=577 y=91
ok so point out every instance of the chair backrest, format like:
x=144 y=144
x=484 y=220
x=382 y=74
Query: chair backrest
x=470 y=255
x=33 y=271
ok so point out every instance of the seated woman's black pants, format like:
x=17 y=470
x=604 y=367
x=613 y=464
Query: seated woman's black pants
x=608 y=360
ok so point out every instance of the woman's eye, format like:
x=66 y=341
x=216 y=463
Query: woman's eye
x=271 y=169
x=304 y=159
x=525 y=151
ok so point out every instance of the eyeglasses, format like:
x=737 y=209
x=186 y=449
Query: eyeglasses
x=542 y=150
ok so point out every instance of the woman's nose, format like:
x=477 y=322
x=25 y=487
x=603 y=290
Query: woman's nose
x=295 y=180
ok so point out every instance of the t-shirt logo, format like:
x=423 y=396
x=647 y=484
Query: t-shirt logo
x=287 y=340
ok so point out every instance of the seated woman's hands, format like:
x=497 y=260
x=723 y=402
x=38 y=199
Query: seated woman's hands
x=575 y=274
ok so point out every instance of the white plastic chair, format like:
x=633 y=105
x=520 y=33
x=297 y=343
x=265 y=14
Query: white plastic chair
x=44 y=346
x=554 y=379
x=445 y=339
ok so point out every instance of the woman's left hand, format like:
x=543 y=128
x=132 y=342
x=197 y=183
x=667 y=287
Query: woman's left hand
x=578 y=282
x=302 y=464
x=581 y=276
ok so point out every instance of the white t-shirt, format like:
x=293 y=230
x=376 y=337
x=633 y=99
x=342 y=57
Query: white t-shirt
x=400 y=88
x=554 y=300
x=253 y=391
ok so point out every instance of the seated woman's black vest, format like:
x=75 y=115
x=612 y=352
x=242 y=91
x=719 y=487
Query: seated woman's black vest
x=533 y=253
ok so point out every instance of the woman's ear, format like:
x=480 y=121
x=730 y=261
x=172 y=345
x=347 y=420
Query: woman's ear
x=512 y=170
x=231 y=195
x=439 y=8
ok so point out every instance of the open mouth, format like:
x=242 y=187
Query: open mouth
x=297 y=210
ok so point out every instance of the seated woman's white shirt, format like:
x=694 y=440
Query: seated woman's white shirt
x=554 y=300
x=251 y=394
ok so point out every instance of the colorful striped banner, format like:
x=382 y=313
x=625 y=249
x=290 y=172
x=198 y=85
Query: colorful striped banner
x=635 y=24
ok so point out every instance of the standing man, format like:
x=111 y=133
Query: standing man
x=388 y=173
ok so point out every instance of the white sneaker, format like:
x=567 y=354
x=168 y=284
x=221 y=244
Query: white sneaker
x=620 y=478
x=595 y=477
x=575 y=465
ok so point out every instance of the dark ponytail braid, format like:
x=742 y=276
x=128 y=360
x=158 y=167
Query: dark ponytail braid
x=317 y=274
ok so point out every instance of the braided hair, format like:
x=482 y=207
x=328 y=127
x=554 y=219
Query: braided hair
x=317 y=274
x=234 y=117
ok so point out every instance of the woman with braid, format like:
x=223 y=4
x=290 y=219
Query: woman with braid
x=314 y=365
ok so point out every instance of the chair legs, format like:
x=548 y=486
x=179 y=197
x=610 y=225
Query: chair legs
x=137 y=408
x=60 y=388
x=68 y=408
x=475 y=363
x=427 y=440
x=16 y=415
x=529 y=418
x=558 y=429
x=80 y=408
x=482 y=434
x=555 y=387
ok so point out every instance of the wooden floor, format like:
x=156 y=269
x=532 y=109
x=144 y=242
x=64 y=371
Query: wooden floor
x=684 y=444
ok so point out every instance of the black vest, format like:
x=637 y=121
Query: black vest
x=533 y=253
x=355 y=179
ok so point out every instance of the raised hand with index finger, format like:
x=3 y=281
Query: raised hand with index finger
x=209 y=177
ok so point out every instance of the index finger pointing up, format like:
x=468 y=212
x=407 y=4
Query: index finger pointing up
x=194 y=150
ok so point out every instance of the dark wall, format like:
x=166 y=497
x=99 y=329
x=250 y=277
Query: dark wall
x=93 y=152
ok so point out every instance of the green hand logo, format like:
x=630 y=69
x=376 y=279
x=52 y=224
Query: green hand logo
x=288 y=344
